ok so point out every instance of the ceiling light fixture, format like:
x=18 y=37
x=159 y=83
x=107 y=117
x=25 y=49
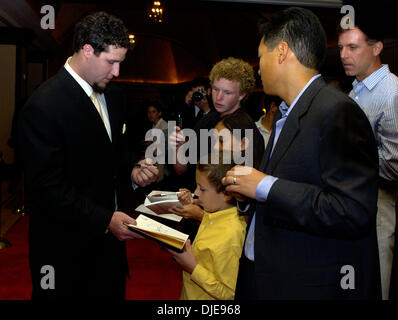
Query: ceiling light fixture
x=155 y=12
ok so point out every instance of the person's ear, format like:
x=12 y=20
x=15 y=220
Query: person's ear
x=377 y=48
x=242 y=96
x=282 y=51
x=88 y=50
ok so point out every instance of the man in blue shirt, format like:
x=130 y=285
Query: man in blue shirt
x=312 y=228
x=375 y=89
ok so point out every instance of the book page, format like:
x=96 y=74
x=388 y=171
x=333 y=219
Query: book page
x=169 y=216
x=163 y=207
x=146 y=224
x=177 y=243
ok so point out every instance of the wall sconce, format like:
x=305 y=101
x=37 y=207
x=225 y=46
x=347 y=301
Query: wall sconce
x=132 y=41
x=155 y=12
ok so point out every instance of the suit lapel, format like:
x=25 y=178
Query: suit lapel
x=83 y=101
x=292 y=125
x=114 y=116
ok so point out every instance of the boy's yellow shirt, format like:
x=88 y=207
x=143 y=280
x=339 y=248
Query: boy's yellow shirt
x=217 y=248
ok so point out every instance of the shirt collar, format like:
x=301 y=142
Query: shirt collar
x=215 y=216
x=260 y=119
x=158 y=123
x=84 y=84
x=285 y=109
x=260 y=125
x=370 y=81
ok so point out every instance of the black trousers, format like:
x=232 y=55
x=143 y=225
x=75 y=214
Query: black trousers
x=246 y=283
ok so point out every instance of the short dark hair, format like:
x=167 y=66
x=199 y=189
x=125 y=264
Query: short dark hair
x=200 y=82
x=156 y=104
x=215 y=172
x=303 y=32
x=372 y=31
x=241 y=121
x=268 y=99
x=100 y=30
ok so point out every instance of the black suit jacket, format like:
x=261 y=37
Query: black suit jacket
x=72 y=170
x=320 y=215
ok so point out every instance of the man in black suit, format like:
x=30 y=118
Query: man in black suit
x=72 y=134
x=312 y=232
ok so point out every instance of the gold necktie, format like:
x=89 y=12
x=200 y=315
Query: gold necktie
x=97 y=103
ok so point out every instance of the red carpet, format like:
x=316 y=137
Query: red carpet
x=154 y=275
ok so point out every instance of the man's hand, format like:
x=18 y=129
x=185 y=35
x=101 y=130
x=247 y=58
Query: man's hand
x=186 y=259
x=175 y=141
x=243 y=180
x=119 y=229
x=176 y=138
x=145 y=176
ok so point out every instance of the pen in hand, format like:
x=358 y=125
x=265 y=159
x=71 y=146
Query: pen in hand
x=168 y=194
x=143 y=165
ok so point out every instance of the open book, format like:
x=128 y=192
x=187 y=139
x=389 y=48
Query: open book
x=158 y=203
x=159 y=232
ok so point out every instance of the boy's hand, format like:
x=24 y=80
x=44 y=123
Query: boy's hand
x=186 y=259
x=185 y=196
x=190 y=211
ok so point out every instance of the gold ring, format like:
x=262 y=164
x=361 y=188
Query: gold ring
x=234 y=180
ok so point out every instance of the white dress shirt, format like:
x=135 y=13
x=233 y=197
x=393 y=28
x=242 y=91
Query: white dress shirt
x=89 y=90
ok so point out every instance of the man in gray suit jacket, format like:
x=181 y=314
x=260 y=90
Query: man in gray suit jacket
x=72 y=136
x=312 y=231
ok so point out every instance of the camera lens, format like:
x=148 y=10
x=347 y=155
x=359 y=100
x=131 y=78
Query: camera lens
x=197 y=96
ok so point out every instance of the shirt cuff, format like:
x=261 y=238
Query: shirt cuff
x=264 y=187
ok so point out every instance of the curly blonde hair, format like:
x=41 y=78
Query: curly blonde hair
x=234 y=69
